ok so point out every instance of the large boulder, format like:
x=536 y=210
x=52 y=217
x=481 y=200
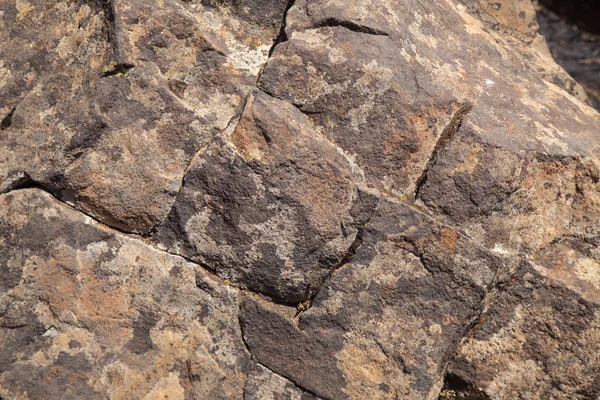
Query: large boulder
x=263 y=199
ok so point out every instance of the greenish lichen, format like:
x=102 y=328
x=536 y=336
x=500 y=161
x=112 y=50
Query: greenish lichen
x=116 y=69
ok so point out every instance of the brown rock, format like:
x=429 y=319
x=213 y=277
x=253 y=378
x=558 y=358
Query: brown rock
x=398 y=199
x=272 y=207
x=263 y=384
x=90 y=313
x=107 y=101
x=387 y=323
x=536 y=340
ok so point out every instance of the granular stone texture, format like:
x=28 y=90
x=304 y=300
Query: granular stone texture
x=299 y=200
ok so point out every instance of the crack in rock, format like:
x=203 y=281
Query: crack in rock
x=445 y=137
x=352 y=26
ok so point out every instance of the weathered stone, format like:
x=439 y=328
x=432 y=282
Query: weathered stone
x=514 y=24
x=97 y=314
x=398 y=199
x=106 y=101
x=370 y=71
x=387 y=323
x=272 y=207
x=263 y=384
x=510 y=16
x=537 y=341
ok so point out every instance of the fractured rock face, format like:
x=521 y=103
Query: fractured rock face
x=390 y=199
x=536 y=341
x=273 y=206
x=89 y=313
x=385 y=325
x=105 y=102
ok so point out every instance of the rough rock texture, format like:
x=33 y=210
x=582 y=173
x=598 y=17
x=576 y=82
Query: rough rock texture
x=263 y=199
x=109 y=100
x=90 y=313
x=272 y=206
x=387 y=322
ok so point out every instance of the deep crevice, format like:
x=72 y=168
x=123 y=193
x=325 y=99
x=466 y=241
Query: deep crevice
x=447 y=134
x=282 y=36
x=456 y=388
x=22 y=180
x=352 y=26
x=117 y=69
x=7 y=121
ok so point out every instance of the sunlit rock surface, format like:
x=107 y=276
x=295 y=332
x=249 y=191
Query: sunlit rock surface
x=263 y=199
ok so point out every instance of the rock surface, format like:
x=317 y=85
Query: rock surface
x=97 y=314
x=263 y=199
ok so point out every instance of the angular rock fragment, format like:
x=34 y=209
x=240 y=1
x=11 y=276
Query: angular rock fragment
x=89 y=313
x=540 y=338
x=387 y=322
x=273 y=207
x=385 y=80
x=105 y=102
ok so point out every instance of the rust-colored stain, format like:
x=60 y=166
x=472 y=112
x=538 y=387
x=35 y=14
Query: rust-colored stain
x=449 y=237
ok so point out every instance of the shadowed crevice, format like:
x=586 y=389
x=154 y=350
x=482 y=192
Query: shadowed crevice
x=455 y=388
x=116 y=69
x=282 y=36
x=352 y=26
x=7 y=121
x=445 y=137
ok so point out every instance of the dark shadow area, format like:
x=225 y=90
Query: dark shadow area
x=576 y=49
x=583 y=13
x=455 y=388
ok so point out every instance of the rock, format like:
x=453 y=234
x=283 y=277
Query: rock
x=263 y=199
x=265 y=385
x=416 y=85
x=387 y=322
x=512 y=17
x=514 y=24
x=105 y=102
x=90 y=313
x=535 y=342
x=272 y=207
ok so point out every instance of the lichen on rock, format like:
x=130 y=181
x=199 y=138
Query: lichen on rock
x=309 y=199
